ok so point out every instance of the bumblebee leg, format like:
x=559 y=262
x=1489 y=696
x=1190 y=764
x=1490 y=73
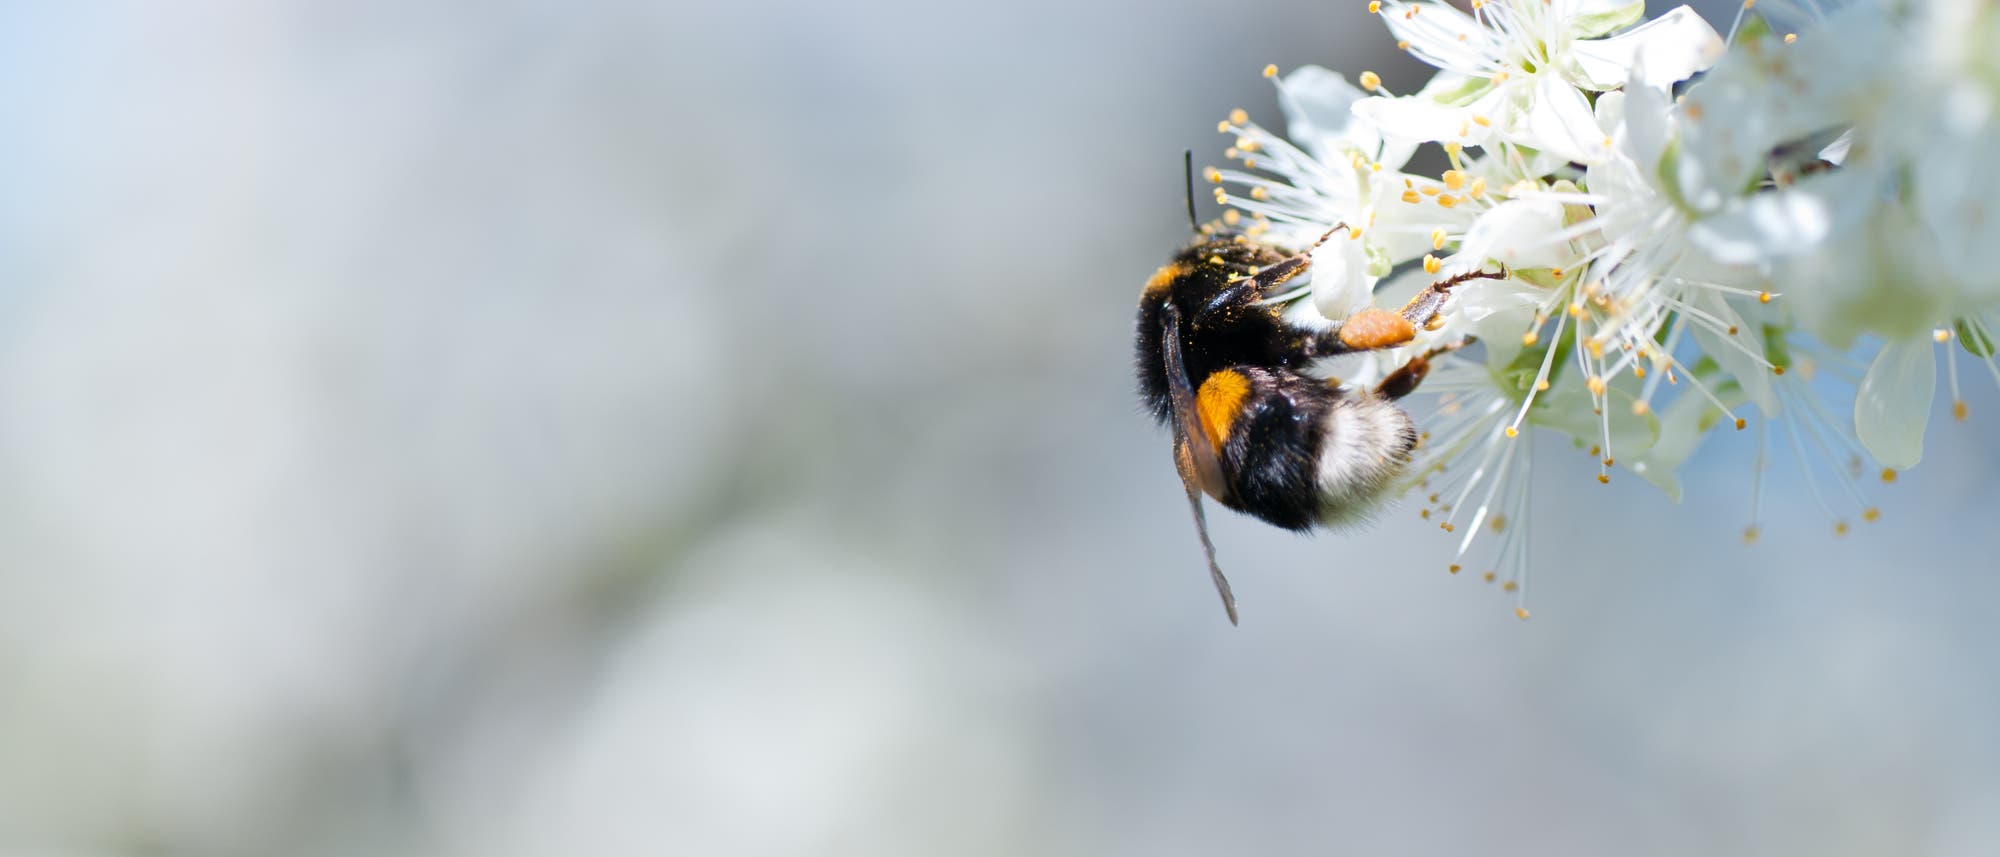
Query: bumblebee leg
x=1265 y=280
x=1405 y=379
x=1372 y=329
x=1422 y=310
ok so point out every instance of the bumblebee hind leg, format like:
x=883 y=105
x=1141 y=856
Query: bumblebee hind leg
x=1405 y=379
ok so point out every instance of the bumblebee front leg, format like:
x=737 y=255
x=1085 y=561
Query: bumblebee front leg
x=1422 y=310
x=1265 y=281
x=1372 y=328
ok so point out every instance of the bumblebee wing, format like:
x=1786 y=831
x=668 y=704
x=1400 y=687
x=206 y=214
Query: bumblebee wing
x=1194 y=450
x=1194 y=453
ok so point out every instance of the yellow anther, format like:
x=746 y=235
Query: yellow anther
x=1432 y=263
x=1871 y=514
x=1370 y=81
x=1521 y=613
x=1221 y=196
x=1741 y=424
x=1428 y=190
x=1576 y=310
x=1763 y=297
x=1215 y=260
x=1270 y=71
x=1777 y=370
x=1437 y=239
x=1595 y=385
x=1556 y=272
x=1464 y=128
x=1403 y=45
x=1958 y=411
x=1411 y=197
x=1602 y=479
x=1509 y=586
x=1840 y=528
x=1482 y=121
x=1232 y=217
x=1638 y=371
x=1542 y=386
x=1478 y=188
x=1453 y=179
x=1259 y=193
x=1750 y=535
x=1512 y=432
x=1489 y=576
x=1791 y=37
x=1447 y=201
x=1640 y=408
x=1238 y=116
x=1500 y=76
x=1529 y=339
x=1941 y=335
x=1446 y=526
x=1453 y=568
x=1246 y=144
x=1223 y=128
x=1888 y=474
x=1213 y=175
x=1374 y=7
x=1453 y=148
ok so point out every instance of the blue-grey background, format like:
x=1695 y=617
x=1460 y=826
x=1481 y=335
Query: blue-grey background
x=624 y=428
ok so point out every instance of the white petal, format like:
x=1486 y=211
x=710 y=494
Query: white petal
x=1594 y=18
x=1737 y=354
x=1444 y=37
x=1894 y=402
x=1560 y=122
x=1417 y=118
x=1648 y=125
x=1318 y=106
x=1675 y=45
x=1340 y=284
x=1788 y=221
x=1517 y=233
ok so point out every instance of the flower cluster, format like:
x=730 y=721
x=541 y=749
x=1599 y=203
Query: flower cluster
x=1701 y=231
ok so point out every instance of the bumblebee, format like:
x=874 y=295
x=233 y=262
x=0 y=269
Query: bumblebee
x=1226 y=369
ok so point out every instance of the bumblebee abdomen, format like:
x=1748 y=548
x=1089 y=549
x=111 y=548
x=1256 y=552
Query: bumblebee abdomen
x=1301 y=453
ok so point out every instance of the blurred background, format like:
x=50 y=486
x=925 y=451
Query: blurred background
x=623 y=428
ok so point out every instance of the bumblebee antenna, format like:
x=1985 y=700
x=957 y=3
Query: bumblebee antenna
x=1187 y=164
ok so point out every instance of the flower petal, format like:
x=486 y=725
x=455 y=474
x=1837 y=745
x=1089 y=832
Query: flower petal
x=1319 y=116
x=1443 y=36
x=1560 y=122
x=1675 y=45
x=1893 y=403
x=1418 y=118
x=1517 y=232
x=1594 y=18
x=1736 y=353
x=1787 y=221
x=1340 y=284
